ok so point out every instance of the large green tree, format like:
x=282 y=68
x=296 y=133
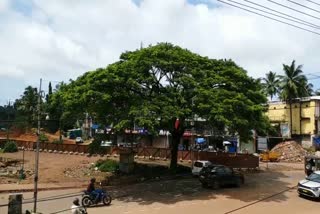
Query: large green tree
x=166 y=87
x=293 y=85
x=271 y=84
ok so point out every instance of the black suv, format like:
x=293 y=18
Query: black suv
x=216 y=176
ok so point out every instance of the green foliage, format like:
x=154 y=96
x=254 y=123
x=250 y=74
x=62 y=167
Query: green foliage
x=95 y=146
x=107 y=165
x=293 y=83
x=7 y=112
x=154 y=86
x=43 y=137
x=27 y=104
x=10 y=147
x=57 y=141
x=271 y=84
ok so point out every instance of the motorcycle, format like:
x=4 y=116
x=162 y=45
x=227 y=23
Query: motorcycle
x=90 y=200
x=83 y=210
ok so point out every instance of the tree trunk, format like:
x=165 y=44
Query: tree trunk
x=177 y=133
x=290 y=104
x=174 y=150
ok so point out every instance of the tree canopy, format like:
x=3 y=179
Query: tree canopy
x=271 y=84
x=293 y=83
x=164 y=87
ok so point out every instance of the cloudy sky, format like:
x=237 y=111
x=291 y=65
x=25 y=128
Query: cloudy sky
x=61 y=39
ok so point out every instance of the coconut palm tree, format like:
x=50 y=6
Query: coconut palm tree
x=317 y=92
x=293 y=85
x=271 y=84
x=309 y=89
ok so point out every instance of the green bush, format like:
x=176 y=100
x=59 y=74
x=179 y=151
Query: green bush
x=95 y=147
x=57 y=141
x=43 y=137
x=10 y=147
x=107 y=165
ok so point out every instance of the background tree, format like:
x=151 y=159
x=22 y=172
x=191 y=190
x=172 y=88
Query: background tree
x=293 y=85
x=27 y=105
x=7 y=115
x=49 y=93
x=317 y=92
x=271 y=84
x=164 y=87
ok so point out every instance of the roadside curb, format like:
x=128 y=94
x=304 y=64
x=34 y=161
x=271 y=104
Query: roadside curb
x=172 y=177
x=41 y=189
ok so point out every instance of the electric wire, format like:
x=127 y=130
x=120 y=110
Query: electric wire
x=285 y=14
x=273 y=14
x=313 y=2
x=301 y=5
x=268 y=17
x=290 y=8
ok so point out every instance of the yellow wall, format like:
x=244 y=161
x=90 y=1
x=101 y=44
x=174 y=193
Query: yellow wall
x=279 y=112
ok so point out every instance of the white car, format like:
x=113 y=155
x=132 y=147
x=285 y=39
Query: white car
x=198 y=165
x=79 y=140
x=310 y=186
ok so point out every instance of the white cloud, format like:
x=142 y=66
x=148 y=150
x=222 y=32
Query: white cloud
x=61 y=39
x=3 y=5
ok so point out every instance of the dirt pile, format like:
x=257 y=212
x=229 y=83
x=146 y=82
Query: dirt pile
x=290 y=151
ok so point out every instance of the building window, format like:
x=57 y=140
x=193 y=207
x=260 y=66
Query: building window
x=307 y=106
x=274 y=108
x=295 y=106
x=285 y=107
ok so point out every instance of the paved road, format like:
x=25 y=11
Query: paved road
x=187 y=196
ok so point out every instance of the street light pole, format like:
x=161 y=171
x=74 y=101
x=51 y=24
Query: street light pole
x=37 y=154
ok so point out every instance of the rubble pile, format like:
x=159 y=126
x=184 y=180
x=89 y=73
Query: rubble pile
x=290 y=151
x=81 y=171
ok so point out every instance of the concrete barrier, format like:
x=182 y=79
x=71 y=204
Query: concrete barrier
x=15 y=203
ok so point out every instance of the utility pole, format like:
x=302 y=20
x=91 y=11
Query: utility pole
x=37 y=153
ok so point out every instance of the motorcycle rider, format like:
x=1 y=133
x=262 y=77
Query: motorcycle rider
x=93 y=191
x=310 y=167
x=76 y=208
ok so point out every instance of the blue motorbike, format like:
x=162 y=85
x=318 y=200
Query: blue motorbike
x=88 y=199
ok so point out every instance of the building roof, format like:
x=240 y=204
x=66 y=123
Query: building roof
x=297 y=99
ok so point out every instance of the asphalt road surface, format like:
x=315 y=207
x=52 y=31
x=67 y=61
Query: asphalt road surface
x=267 y=192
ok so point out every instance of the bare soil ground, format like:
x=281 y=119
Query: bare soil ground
x=61 y=168
x=53 y=167
x=31 y=136
x=64 y=168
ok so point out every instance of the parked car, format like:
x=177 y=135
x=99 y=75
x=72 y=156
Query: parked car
x=124 y=144
x=310 y=186
x=198 y=165
x=79 y=140
x=217 y=176
x=106 y=143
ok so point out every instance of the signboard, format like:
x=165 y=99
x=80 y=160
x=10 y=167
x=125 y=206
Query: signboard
x=285 y=130
x=262 y=143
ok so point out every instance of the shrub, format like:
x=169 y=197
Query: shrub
x=107 y=165
x=43 y=137
x=95 y=147
x=10 y=147
x=57 y=141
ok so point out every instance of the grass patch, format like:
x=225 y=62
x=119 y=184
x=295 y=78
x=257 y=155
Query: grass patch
x=153 y=170
x=107 y=165
x=10 y=147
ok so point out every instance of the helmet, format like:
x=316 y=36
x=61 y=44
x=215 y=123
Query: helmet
x=76 y=201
